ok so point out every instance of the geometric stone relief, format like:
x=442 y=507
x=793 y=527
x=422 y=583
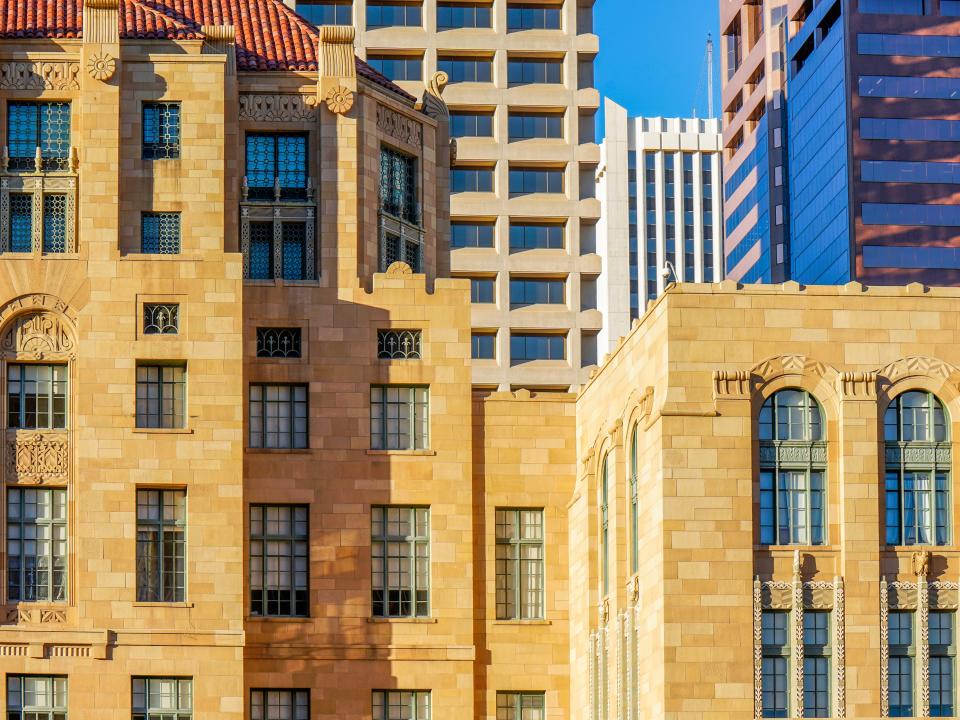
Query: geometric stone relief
x=46 y=616
x=279 y=108
x=37 y=457
x=399 y=127
x=732 y=384
x=37 y=334
x=39 y=76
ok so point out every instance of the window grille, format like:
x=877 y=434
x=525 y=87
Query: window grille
x=279 y=560
x=161 y=131
x=261 y=250
x=38 y=127
x=400 y=242
x=55 y=223
x=20 y=226
x=398 y=344
x=401 y=562
x=278 y=342
x=161 y=318
x=161 y=545
x=276 y=167
x=36 y=545
x=294 y=235
x=160 y=233
x=398 y=185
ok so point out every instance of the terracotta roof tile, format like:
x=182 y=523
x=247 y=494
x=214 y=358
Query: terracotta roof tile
x=270 y=36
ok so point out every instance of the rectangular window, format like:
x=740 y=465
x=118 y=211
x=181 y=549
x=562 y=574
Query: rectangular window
x=276 y=166
x=36 y=697
x=455 y=15
x=161 y=318
x=526 y=126
x=161 y=396
x=399 y=417
x=943 y=173
x=466 y=69
x=950 y=8
x=279 y=705
x=160 y=233
x=394 y=14
x=36 y=545
x=912 y=129
x=261 y=250
x=900 y=667
x=527 y=181
x=526 y=347
x=466 y=123
x=471 y=234
x=905 y=214
x=816 y=664
x=161 y=545
x=483 y=346
x=401 y=705
x=279 y=561
x=36 y=397
x=775 y=664
x=54 y=223
x=397 y=67
x=398 y=185
x=278 y=416
x=293 y=236
x=529 y=71
x=331 y=12
x=521 y=706
x=275 y=342
x=520 y=564
x=793 y=511
x=161 y=698
x=536 y=236
x=917 y=508
x=161 y=131
x=537 y=291
x=399 y=344
x=20 y=226
x=400 y=546
x=909 y=45
x=471 y=179
x=942 y=654
x=44 y=125
x=482 y=290
x=896 y=86
x=533 y=17
x=892 y=7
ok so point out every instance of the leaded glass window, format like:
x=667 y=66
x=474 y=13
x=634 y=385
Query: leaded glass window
x=519 y=564
x=816 y=664
x=294 y=239
x=36 y=396
x=400 y=546
x=399 y=417
x=160 y=698
x=43 y=125
x=161 y=318
x=900 y=663
x=36 y=697
x=943 y=653
x=161 y=545
x=54 y=223
x=521 y=706
x=279 y=560
x=792 y=470
x=261 y=250
x=918 y=462
x=278 y=416
x=398 y=185
x=275 y=342
x=279 y=705
x=20 y=225
x=401 y=705
x=36 y=544
x=276 y=162
x=161 y=396
x=775 y=639
x=160 y=233
x=399 y=344
x=161 y=131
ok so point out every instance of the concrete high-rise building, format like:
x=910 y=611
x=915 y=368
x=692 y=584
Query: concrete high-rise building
x=840 y=132
x=524 y=207
x=659 y=189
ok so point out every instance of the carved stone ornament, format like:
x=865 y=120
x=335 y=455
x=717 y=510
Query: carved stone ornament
x=29 y=615
x=38 y=334
x=39 y=75
x=399 y=269
x=856 y=385
x=339 y=100
x=401 y=128
x=921 y=563
x=731 y=384
x=37 y=458
x=279 y=108
x=101 y=66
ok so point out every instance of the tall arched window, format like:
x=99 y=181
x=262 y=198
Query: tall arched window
x=793 y=460
x=634 y=502
x=605 y=525
x=918 y=459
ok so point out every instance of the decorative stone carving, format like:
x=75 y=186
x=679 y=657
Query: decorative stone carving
x=757 y=648
x=37 y=301
x=944 y=595
x=884 y=649
x=839 y=644
x=793 y=453
x=923 y=633
x=336 y=52
x=433 y=104
x=789 y=365
x=39 y=76
x=797 y=641
x=731 y=384
x=31 y=615
x=39 y=334
x=646 y=403
x=279 y=108
x=101 y=66
x=49 y=615
x=399 y=127
x=34 y=457
x=339 y=100
x=399 y=269
x=914 y=366
x=921 y=563
x=858 y=385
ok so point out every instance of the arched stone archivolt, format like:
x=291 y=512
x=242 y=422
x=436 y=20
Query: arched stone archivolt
x=920 y=373
x=37 y=326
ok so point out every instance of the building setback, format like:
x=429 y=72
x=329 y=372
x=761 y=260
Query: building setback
x=524 y=207
x=657 y=183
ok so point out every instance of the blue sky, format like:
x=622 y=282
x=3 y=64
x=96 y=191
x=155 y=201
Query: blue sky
x=651 y=54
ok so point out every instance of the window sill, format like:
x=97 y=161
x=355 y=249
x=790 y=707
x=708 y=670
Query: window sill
x=163 y=604
x=258 y=282
x=277 y=618
x=523 y=622
x=165 y=431
x=401 y=453
x=164 y=257
x=404 y=620
x=790 y=549
x=277 y=451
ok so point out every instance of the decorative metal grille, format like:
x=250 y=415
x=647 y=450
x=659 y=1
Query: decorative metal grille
x=398 y=344
x=278 y=342
x=276 y=167
x=21 y=223
x=400 y=242
x=43 y=126
x=398 y=185
x=160 y=233
x=54 y=223
x=261 y=251
x=294 y=236
x=161 y=131
x=161 y=319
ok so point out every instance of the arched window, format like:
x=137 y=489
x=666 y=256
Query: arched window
x=634 y=502
x=605 y=525
x=918 y=459
x=793 y=459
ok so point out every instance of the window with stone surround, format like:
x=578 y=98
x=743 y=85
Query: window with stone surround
x=279 y=561
x=160 y=233
x=36 y=544
x=816 y=664
x=918 y=461
x=401 y=235
x=278 y=416
x=400 y=547
x=161 y=318
x=36 y=396
x=792 y=470
x=943 y=651
x=521 y=706
x=161 y=396
x=399 y=417
x=162 y=698
x=161 y=131
x=775 y=669
x=279 y=705
x=900 y=659
x=36 y=697
x=520 y=570
x=401 y=705
x=278 y=342
x=38 y=127
x=276 y=166
x=161 y=545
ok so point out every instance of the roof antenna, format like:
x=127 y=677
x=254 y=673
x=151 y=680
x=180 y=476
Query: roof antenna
x=706 y=68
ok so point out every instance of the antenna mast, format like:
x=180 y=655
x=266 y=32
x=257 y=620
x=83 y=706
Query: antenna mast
x=709 y=76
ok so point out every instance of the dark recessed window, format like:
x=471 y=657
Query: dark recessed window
x=528 y=71
x=161 y=131
x=526 y=181
x=483 y=346
x=397 y=67
x=471 y=179
x=526 y=126
x=276 y=166
x=44 y=126
x=536 y=291
x=469 y=234
x=455 y=15
x=279 y=561
x=466 y=69
x=464 y=123
x=535 y=236
x=160 y=233
x=332 y=12
x=482 y=290
x=533 y=17
x=526 y=347
x=394 y=14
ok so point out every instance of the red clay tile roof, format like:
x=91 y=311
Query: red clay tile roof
x=270 y=36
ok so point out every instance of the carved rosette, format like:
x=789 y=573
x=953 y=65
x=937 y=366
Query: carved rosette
x=102 y=67
x=339 y=100
x=35 y=458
